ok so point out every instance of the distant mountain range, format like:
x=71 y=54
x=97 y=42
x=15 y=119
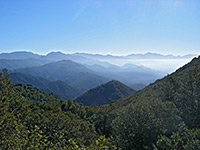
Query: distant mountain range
x=61 y=56
x=105 y=93
x=159 y=56
x=70 y=75
x=19 y=55
x=29 y=63
x=148 y=60
x=148 y=55
x=12 y=64
x=74 y=74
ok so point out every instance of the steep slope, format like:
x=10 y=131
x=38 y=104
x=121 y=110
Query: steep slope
x=58 y=88
x=72 y=73
x=171 y=104
x=105 y=93
x=30 y=117
x=181 y=87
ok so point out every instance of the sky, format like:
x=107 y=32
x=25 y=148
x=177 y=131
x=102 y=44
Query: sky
x=117 y=27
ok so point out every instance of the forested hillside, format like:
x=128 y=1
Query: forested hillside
x=170 y=105
x=105 y=93
x=162 y=116
x=58 y=88
x=33 y=119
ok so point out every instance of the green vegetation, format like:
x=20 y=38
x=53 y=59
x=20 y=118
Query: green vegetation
x=58 y=88
x=105 y=93
x=163 y=115
x=184 y=139
x=33 y=119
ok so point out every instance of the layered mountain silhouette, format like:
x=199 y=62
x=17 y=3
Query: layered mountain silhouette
x=58 y=88
x=105 y=93
x=56 y=56
x=82 y=71
x=13 y=64
x=74 y=74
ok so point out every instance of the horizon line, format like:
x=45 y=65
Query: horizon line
x=104 y=54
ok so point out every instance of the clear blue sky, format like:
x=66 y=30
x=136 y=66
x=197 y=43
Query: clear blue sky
x=100 y=26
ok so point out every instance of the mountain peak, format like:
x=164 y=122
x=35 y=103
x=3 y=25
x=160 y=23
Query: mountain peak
x=105 y=93
x=55 y=53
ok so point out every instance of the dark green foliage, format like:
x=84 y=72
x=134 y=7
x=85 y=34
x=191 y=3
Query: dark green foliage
x=182 y=88
x=8 y=128
x=139 y=124
x=141 y=120
x=33 y=107
x=183 y=139
x=58 y=88
x=32 y=93
x=105 y=93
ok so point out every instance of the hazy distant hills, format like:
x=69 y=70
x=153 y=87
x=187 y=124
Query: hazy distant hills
x=137 y=86
x=154 y=61
x=135 y=56
x=12 y=64
x=19 y=55
x=79 y=72
x=58 y=88
x=129 y=73
x=105 y=93
x=56 y=56
x=74 y=74
x=55 y=70
x=159 y=56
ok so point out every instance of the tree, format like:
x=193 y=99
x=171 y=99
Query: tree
x=139 y=125
x=183 y=139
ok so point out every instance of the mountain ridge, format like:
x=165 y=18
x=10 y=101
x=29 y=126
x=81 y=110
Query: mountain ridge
x=105 y=93
x=29 y=54
x=68 y=71
x=58 y=88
